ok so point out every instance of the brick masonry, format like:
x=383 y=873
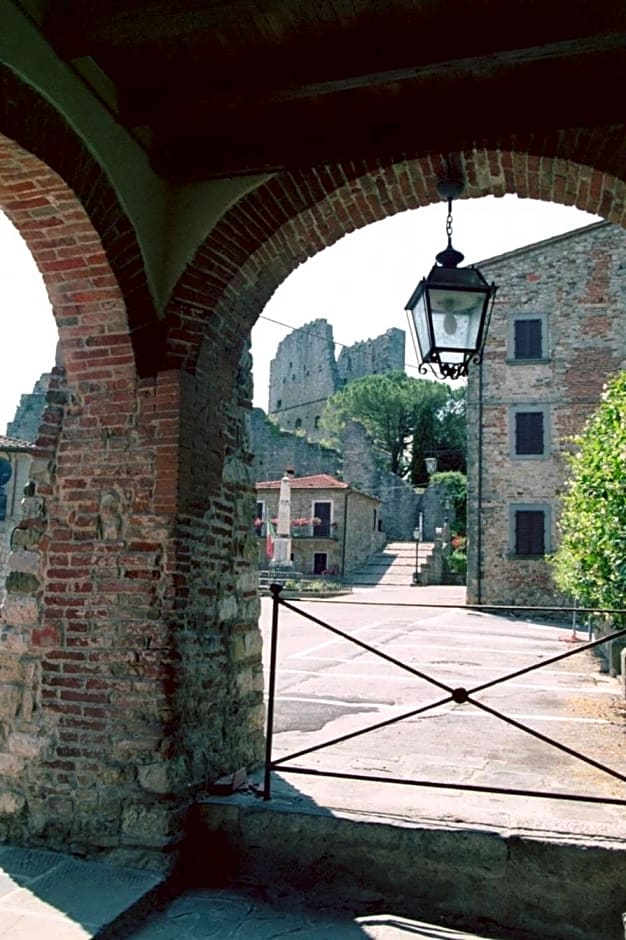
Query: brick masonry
x=576 y=283
x=130 y=657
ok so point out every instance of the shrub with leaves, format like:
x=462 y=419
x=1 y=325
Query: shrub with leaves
x=590 y=562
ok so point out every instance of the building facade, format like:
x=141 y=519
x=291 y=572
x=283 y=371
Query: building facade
x=557 y=333
x=334 y=527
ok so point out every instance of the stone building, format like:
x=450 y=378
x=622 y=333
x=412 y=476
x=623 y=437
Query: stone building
x=334 y=528
x=15 y=461
x=354 y=462
x=305 y=372
x=557 y=333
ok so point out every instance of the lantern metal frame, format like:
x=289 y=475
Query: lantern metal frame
x=450 y=301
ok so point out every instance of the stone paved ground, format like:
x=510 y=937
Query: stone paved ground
x=230 y=915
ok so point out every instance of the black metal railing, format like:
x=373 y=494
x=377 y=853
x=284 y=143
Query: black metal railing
x=457 y=695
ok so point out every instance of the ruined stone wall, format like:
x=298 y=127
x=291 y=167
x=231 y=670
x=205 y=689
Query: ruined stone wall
x=29 y=412
x=399 y=502
x=303 y=375
x=274 y=450
x=576 y=284
x=305 y=372
x=372 y=357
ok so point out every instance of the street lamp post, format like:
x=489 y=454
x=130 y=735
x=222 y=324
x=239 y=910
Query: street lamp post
x=416 y=573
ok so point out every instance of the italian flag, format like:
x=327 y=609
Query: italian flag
x=270 y=535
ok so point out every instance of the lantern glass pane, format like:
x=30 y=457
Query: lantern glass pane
x=420 y=319
x=456 y=318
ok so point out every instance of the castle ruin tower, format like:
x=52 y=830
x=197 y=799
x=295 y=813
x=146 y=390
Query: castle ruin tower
x=303 y=375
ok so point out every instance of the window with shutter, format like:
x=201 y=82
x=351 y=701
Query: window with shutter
x=530 y=532
x=527 y=343
x=529 y=436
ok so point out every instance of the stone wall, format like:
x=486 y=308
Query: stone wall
x=274 y=450
x=400 y=502
x=575 y=285
x=305 y=372
x=303 y=375
x=29 y=412
x=371 y=357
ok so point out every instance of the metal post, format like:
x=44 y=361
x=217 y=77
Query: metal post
x=416 y=535
x=271 y=692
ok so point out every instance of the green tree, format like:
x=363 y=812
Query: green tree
x=408 y=419
x=454 y=489
x=590 y=562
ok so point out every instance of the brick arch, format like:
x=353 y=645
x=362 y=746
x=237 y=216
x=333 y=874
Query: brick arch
x=84 y=295
x=91 y=561
x=293 y=216
x=32 y=122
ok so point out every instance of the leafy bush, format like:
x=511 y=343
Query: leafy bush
x=454 y=486
x=590 y=562
x=457 y=563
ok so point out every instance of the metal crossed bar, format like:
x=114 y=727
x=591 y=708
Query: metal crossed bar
x=457 y=695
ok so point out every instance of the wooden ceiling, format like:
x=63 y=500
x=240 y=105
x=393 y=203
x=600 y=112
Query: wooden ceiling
x=228 y=87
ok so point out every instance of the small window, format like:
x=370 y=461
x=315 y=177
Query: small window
x=530 y=532
x=320 y=562
x=528 y=432
x=316 y=423
x=279 y=403
x=322 y=513
x=527 y=343
x=527 y=339
x=298 y=424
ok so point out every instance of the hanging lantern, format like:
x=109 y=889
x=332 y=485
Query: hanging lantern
x=450 y=309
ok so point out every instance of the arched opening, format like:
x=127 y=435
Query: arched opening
x=140 y=611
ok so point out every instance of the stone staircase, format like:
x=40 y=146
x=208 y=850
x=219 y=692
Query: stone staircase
x=393 y=566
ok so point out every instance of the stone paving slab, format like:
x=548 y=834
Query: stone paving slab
x=48 y=894
x=231 y=915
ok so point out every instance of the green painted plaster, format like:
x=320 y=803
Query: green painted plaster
x=171 y=221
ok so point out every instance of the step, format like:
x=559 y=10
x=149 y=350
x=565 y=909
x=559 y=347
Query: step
x=509 y=884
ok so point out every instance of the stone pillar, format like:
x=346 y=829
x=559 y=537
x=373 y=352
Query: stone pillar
x=282 y=543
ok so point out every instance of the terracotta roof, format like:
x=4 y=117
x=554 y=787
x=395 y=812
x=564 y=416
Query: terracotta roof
x=12 y=443
x=320 y=481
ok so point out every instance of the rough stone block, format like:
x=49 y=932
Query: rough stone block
x=25 y=562
x=19 y=582
x=146 y=825
x=11 y=803
x=155 y=777
x=26 y=746
x=20 y=611
x=10 y=765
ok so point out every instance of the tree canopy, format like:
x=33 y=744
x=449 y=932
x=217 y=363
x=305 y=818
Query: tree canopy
x=408 y=420
x=590 y=562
